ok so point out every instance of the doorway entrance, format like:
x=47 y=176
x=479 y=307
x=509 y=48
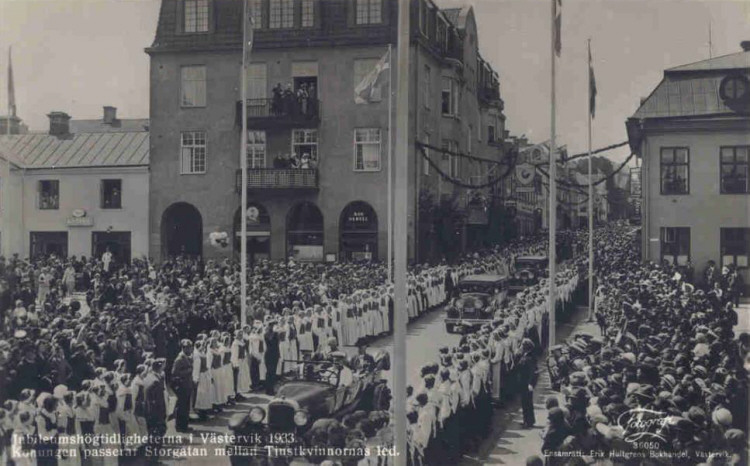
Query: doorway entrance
x=181 y=231
x=358 y=232
x=258 y=233
x=118 y=243
x=47 y=243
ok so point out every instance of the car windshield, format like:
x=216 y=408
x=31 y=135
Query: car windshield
x=475 y=302
x=476 y=287
x=530 y=263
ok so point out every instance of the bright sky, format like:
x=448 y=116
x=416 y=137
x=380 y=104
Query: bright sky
x=79 y=55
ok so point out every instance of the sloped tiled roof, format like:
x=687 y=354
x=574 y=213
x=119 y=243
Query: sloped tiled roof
x=78 y=150
x=681 y=95
x=693 y=89
x=118 y=126
x=726 y=62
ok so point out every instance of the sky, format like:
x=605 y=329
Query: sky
x=79 y=55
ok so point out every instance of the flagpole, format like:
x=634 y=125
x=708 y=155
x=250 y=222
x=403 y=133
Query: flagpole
x=243 y=167
x=552 y=300
x=10 y=81
x=400 y=238
x=389 y=261
x=591 y=196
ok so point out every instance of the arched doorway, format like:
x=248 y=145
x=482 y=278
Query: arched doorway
x=258 y=232
x=358 y=232
x=181 y=231
x=304 y=232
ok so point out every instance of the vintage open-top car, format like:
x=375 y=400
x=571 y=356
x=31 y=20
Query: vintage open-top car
x=315 y=389
x=476 y=302
x=529 y=270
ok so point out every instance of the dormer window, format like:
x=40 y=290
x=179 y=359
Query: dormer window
x=196 y=16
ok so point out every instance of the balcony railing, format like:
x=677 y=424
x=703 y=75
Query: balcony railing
x=279 y=178
x=263 y=113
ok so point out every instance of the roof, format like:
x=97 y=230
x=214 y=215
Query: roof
x=732 y=61
x=77 y=150
x=693 y=89
x=488 y=278
x=533 y=258
x=118 y=126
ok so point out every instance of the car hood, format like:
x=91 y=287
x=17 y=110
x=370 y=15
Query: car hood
x=302 y=392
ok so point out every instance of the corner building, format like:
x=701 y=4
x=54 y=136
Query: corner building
x=693 y=134
x=332 y=203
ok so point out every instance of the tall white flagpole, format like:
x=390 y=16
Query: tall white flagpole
x=401 y=237
x=243 y=162
x=389 y=260
x=552 y=300
x=591 y=197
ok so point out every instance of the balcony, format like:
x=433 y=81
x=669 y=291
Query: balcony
x=491 y=96
x=279 y=178
x=280 y=113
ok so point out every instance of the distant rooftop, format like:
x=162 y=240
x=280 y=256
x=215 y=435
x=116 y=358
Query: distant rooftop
x=117 y=126
x=733 y=61
x=102 y=149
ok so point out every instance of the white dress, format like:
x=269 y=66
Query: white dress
x=239 y=362
x=204 y=397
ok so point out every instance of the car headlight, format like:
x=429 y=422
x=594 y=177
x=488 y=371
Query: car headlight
x=300 y=418
x=257 y=414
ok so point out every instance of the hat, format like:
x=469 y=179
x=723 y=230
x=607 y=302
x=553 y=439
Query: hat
x=60 y=391
x=186 y=343
x=722 y=417
x=158 y=364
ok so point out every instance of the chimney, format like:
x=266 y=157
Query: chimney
x=59 y=123
x=110 y=115
x=745 y=44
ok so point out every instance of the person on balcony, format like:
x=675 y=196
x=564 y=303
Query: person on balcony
x=302 y=99
x=276 y=101
x=312 y=97
x=288 y=100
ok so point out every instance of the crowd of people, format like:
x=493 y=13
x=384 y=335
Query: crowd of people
x=287 y=102
x=99 y=339
x=664 y=383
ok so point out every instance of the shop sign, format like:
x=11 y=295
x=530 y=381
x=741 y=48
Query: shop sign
x=79 y=221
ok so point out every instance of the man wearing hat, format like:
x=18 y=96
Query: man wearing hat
x=156 y=407
x=182 y=383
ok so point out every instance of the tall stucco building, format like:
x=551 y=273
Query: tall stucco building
x=317 y=154
x=693 y=135
x=79 y=189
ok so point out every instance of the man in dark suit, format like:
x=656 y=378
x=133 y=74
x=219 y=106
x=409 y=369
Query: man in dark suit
x=182 y=383
x=271 y=356
x=156 y=408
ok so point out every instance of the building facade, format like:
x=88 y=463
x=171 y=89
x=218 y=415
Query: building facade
x=75 y=193
x=693 y=135
x=318 y=151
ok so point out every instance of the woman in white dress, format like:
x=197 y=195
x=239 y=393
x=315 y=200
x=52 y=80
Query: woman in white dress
x=215 y=355
x=226 y=367
x=204 y=399
x=239 y=362
x=66 y=426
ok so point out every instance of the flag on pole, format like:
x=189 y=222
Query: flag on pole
x=247 y=32
x=558 y=26
x=368 y=90
x=11 y=88
x=592 y=86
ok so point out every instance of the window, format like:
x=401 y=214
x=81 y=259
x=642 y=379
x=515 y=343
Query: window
x=734 y=170
x=367 y=149
x=308 y=13
x=193 y=151
x=675 y=170
x=675 y=245
x=196 y=16
x=256 y=149
x=449 y=97
x=281 y=14
x=479 y=125
x=423 y=16
x=305 y=147
x=735 y=246
x=469 y=136
x=453 y=160
x=425 y=163
x=490 y=133
x=426 y=92
x=111 y=194
x=256 y=13
x=362 y=67
x=193 y=86
x=442 y=33
x=369 y=12
x=48 y=194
